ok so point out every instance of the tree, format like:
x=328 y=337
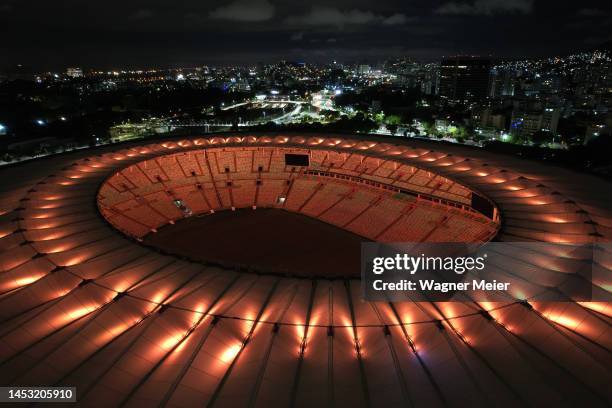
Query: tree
x=393 y=120
x=429 y=128
x=379 y=117
x=330 y=114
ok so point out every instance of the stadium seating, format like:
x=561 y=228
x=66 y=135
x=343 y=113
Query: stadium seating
x=352 y=191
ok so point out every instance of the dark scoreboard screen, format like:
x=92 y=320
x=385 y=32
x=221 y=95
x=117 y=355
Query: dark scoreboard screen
x=297 y=159
x=482 y=205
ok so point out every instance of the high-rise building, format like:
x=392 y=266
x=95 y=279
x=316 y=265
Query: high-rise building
x=502 y=83
x=74 y=72
x=464 y=78
x=526 y=123
x=364 y=69
x=430 y=80
x=487 y=118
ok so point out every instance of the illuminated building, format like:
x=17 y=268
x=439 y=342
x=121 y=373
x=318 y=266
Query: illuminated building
x=88 y=305
x=74 y=72
x=364 y=69
x=526 y=123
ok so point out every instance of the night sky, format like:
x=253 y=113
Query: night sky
x=146 y=33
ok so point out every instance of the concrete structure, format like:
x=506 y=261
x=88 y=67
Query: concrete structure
x=84 y=304
x=526 y=123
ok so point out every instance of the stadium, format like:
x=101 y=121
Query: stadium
x=153 y=273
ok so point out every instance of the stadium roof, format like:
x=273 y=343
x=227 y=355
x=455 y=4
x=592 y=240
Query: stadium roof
x=82 y=304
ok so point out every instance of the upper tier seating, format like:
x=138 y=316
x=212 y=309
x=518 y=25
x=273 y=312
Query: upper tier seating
x=348 y=194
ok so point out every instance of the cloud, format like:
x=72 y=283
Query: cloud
x=395 y=19
x=329 y=16
x=332 y=16
x=486 y=7
x=142 y=14
x=299 y=36
x=245 y=10
x=589 y=12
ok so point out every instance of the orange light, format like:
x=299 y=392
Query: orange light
x=41 y=216
x=249 y=321
x=230 y=353
x=300 y=330
x=27 y=281
x=598 y=307
x=198 y=314
x=486 y=305
x=112 y=333
x=59 y=248
x=157 y=299
x=47 y=206
x=17 y=283
x=448 y=309
x=563 y=321
x=556 y=220
x=75 y=261
x=170 y=342
x=74 y=314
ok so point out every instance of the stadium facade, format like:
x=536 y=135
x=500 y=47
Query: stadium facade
x=84 y=303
